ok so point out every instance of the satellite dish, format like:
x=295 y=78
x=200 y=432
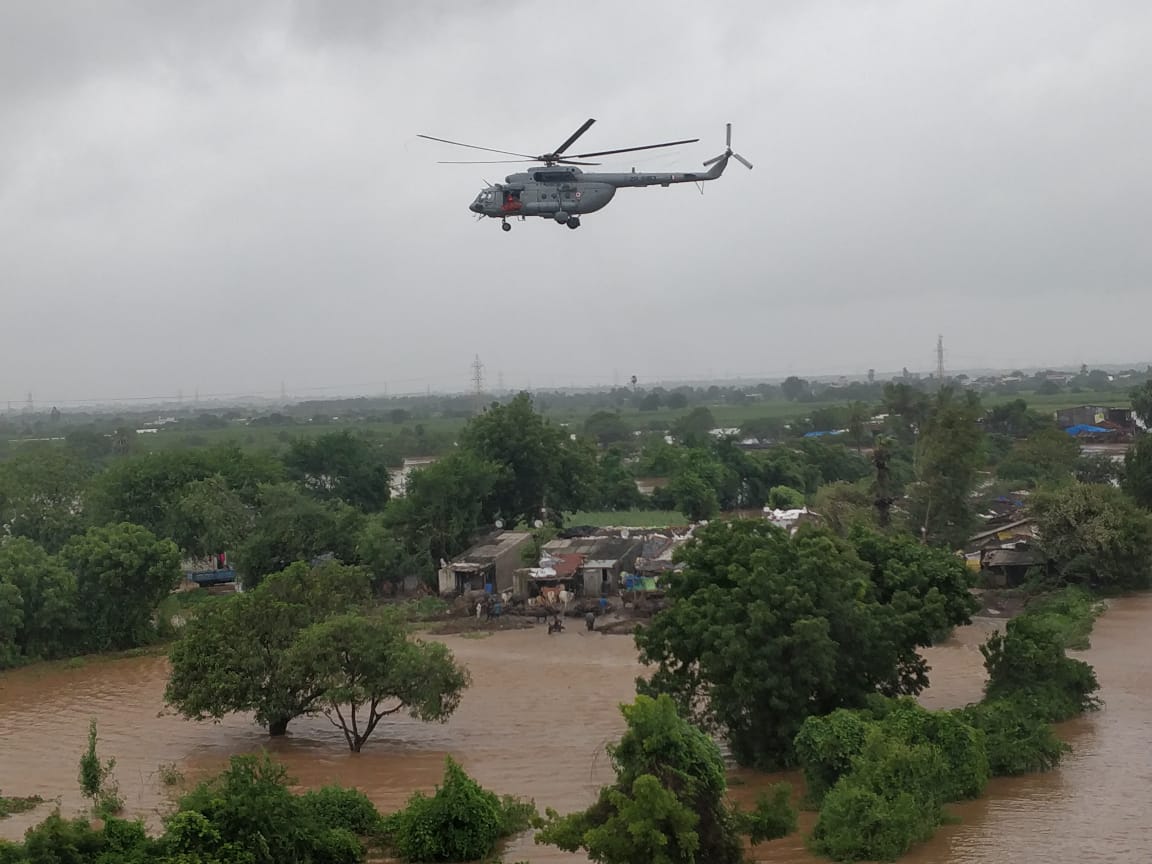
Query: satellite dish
x=499 y=523
x=625 y=534
x=538 y=524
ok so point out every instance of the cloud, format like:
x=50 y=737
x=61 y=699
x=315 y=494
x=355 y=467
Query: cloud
x=226 y=196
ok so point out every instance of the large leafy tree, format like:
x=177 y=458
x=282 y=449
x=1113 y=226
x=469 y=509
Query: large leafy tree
x=211 y=517
x=764 y=629
x=365 y=669
x=1095 y=536
x=237 y=656
x=122 y=573
x=543 y=470
x=669 y=802
x=47 y=592
x=146 y=489
x=1138 y=471
x=445 y=505
x=41 y=495
x=950 y=453
x=342 y=466
x=291 y=526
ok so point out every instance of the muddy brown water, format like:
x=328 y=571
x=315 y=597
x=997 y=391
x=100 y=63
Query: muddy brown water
x=535 y=724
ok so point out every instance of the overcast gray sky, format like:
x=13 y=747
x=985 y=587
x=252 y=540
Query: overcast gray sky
x=222 y=196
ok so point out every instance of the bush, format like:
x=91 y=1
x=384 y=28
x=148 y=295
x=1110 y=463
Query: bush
x=889 y=802
x=1016 y=739
x=460 y=822
x=345 y=809
x=249 y=810
x=1028 y=661
x=827 y=746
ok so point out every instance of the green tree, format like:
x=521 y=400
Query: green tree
x=692 y=429
x=235 y=656
x=763 y=629
x=784 y=498
x=843 y=505
x=145 y=489
x=615 y=488
x=950 y=452
x=793 y=388
x=541 y=467
x=1028 y=662
x=694 y=496
x=460 y=822
x=122 y=573
x=386 y=556
x=1095 y=536
x=1048 y=455
x=1138 y=471
x=365 y=669
x=1142 y=402
x=607 y=428
x=211 y=518
x=293 y=526
x=859 y=416
x=41 y=495
x=444 y=507
x=248 y=815
x=341 y=466
x=47 y=599
x=669 y=802
x=907 y=407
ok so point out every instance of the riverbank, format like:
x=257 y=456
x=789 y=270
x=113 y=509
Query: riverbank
x=535 y=723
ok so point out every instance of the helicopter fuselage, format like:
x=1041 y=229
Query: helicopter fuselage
x=561 y=192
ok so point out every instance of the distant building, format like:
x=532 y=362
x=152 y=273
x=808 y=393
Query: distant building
x=398 y=477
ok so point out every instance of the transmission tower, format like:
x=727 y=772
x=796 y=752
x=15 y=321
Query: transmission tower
x=478 y=381
x=940 y=359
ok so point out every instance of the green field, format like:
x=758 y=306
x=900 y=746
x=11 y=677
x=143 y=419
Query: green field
x=629 y=519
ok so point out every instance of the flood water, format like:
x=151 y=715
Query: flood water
x=535 y=723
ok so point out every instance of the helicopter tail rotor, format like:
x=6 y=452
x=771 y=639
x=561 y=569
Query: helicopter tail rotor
x=728 y=152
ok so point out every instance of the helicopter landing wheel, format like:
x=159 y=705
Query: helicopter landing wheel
x=573 y=222
x=505 y=226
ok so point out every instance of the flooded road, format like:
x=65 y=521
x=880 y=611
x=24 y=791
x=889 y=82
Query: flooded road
x=535 y=723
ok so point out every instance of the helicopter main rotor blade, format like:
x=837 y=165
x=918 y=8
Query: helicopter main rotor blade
x=573 y=137
x=633 y=149
x=506 y=162
x=474 y=147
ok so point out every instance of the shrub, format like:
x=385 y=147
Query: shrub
x=460 y=822
x=826 y=747
x=1028 y=660
x=1016 y=739
x=891 y=800
x=345 y=809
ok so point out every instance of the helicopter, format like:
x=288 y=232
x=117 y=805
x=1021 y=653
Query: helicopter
x=559 y=190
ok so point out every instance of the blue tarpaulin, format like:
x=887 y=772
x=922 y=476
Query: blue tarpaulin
x=822 y=433
x=1083 y=429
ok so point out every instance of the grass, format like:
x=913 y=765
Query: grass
x=628 y=518
x=12 y=806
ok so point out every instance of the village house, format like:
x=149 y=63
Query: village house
x=492 y=561
x=1005 y=551
x=603 y=558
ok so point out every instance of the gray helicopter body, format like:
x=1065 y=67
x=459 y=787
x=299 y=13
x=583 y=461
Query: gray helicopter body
x=560 y=191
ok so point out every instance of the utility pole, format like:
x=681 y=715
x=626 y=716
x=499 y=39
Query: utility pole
x=940 y=360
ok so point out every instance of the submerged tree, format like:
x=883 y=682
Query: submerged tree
x=764 y=629
x=669 y=802
x=365 y=669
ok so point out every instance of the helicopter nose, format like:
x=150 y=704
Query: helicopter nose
x=474 y=206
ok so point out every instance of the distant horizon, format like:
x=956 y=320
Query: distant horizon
x=287 y=396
